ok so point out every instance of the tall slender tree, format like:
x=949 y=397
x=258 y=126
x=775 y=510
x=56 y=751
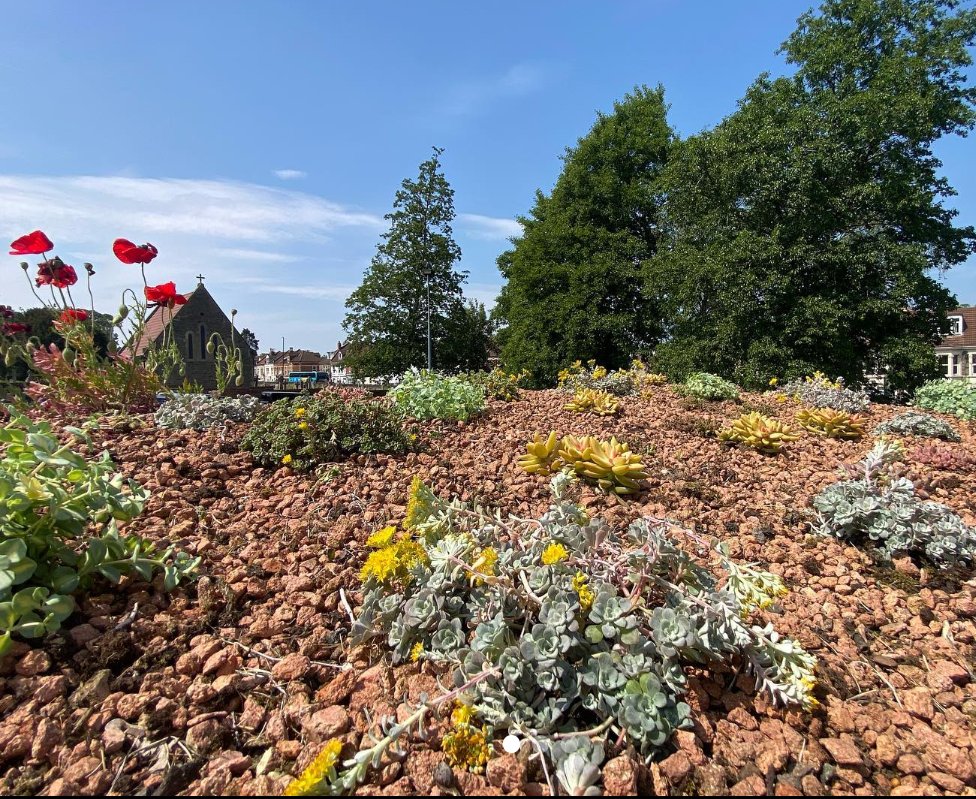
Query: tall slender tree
x=574 y=287
x=387 y=316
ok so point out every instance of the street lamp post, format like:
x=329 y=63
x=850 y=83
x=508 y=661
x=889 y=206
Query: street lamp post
x=430 y=358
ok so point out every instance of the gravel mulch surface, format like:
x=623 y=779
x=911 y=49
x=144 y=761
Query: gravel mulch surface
x=231 y=683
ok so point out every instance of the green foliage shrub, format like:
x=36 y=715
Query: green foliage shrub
x=59 y=529
x=563 y=624
x=311 y=430
x=955 y=397
x=914 y=423
x=705 y=386
x=429 y=395
x=878 y=512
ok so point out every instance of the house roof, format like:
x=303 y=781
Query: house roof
x=968 y=336
x=301 y=356
x=156 y=323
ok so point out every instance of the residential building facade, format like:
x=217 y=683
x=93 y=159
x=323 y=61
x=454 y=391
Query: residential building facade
x=275 y=366
x=335 y=366
x=957 y=351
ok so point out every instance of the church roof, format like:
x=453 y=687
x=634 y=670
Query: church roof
x=156 y=324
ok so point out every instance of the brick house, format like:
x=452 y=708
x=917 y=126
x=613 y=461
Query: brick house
x=957 y=351
x=272 y=366
x=192 y=325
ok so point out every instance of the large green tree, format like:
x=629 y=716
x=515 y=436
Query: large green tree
x=805 y=232
x=574 y=288
x=386 y=317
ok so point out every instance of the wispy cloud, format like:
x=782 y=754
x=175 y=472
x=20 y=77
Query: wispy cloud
x=473 y=96
x=491 y=228
x=289 y=174
x=263 y=256
x=81 y=208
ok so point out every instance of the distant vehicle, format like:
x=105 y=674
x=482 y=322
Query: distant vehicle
x=308 y=377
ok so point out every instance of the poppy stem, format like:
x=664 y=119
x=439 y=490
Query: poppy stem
x=92 y=298
x=33 y=290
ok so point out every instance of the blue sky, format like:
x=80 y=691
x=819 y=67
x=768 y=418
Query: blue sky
x=262 y=142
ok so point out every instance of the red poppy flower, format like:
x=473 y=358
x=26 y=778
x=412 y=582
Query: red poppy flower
x=164 y=294
x=34 y=243
x=55 y=273
x=9 y=328
x=129 y=253
x=69 y=315
x=6 y=311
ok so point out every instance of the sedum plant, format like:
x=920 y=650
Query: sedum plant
x=830 y=423
x=203 y=411
x=591 y=400
x=315 y=429
x=913 y=423
x=498 y=384
x=819 y=391
x=875 y=510
x=956 y=397
x=620 y=383
x=429 y=395
x=564 y=632
x=59 y=529
x=705 y=386
x=759 y=432
x=610 y=465
x=943 y=457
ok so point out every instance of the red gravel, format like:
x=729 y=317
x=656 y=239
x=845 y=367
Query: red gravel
x=229 y=684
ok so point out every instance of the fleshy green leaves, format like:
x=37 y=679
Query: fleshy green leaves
x=52 y=503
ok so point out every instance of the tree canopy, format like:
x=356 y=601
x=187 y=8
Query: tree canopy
x=574 y=287
x=806 y=231
x=803 y=230
x=386 y=317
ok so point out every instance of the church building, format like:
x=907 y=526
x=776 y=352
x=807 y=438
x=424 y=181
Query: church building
x=193 y=323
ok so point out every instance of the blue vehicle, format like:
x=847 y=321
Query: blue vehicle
x=308 y=377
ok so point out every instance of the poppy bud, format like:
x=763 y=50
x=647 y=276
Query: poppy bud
x=233 y=312
x=89 y=268
x=69 y=356
x=24 y=265
x=210 y=347
x=31 y=346
x=239 y=381
x=10 y=358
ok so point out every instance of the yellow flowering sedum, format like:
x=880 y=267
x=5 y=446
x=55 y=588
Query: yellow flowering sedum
x=484 y=564
x=583 y=590
x=462 y=714
x=466 y=747
x=381 y=538
x=554 y=553
x=320 y=770
x=420 y=504
x=299 y=413
x=286 y=460
x=416 y=652
x=394 y=561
